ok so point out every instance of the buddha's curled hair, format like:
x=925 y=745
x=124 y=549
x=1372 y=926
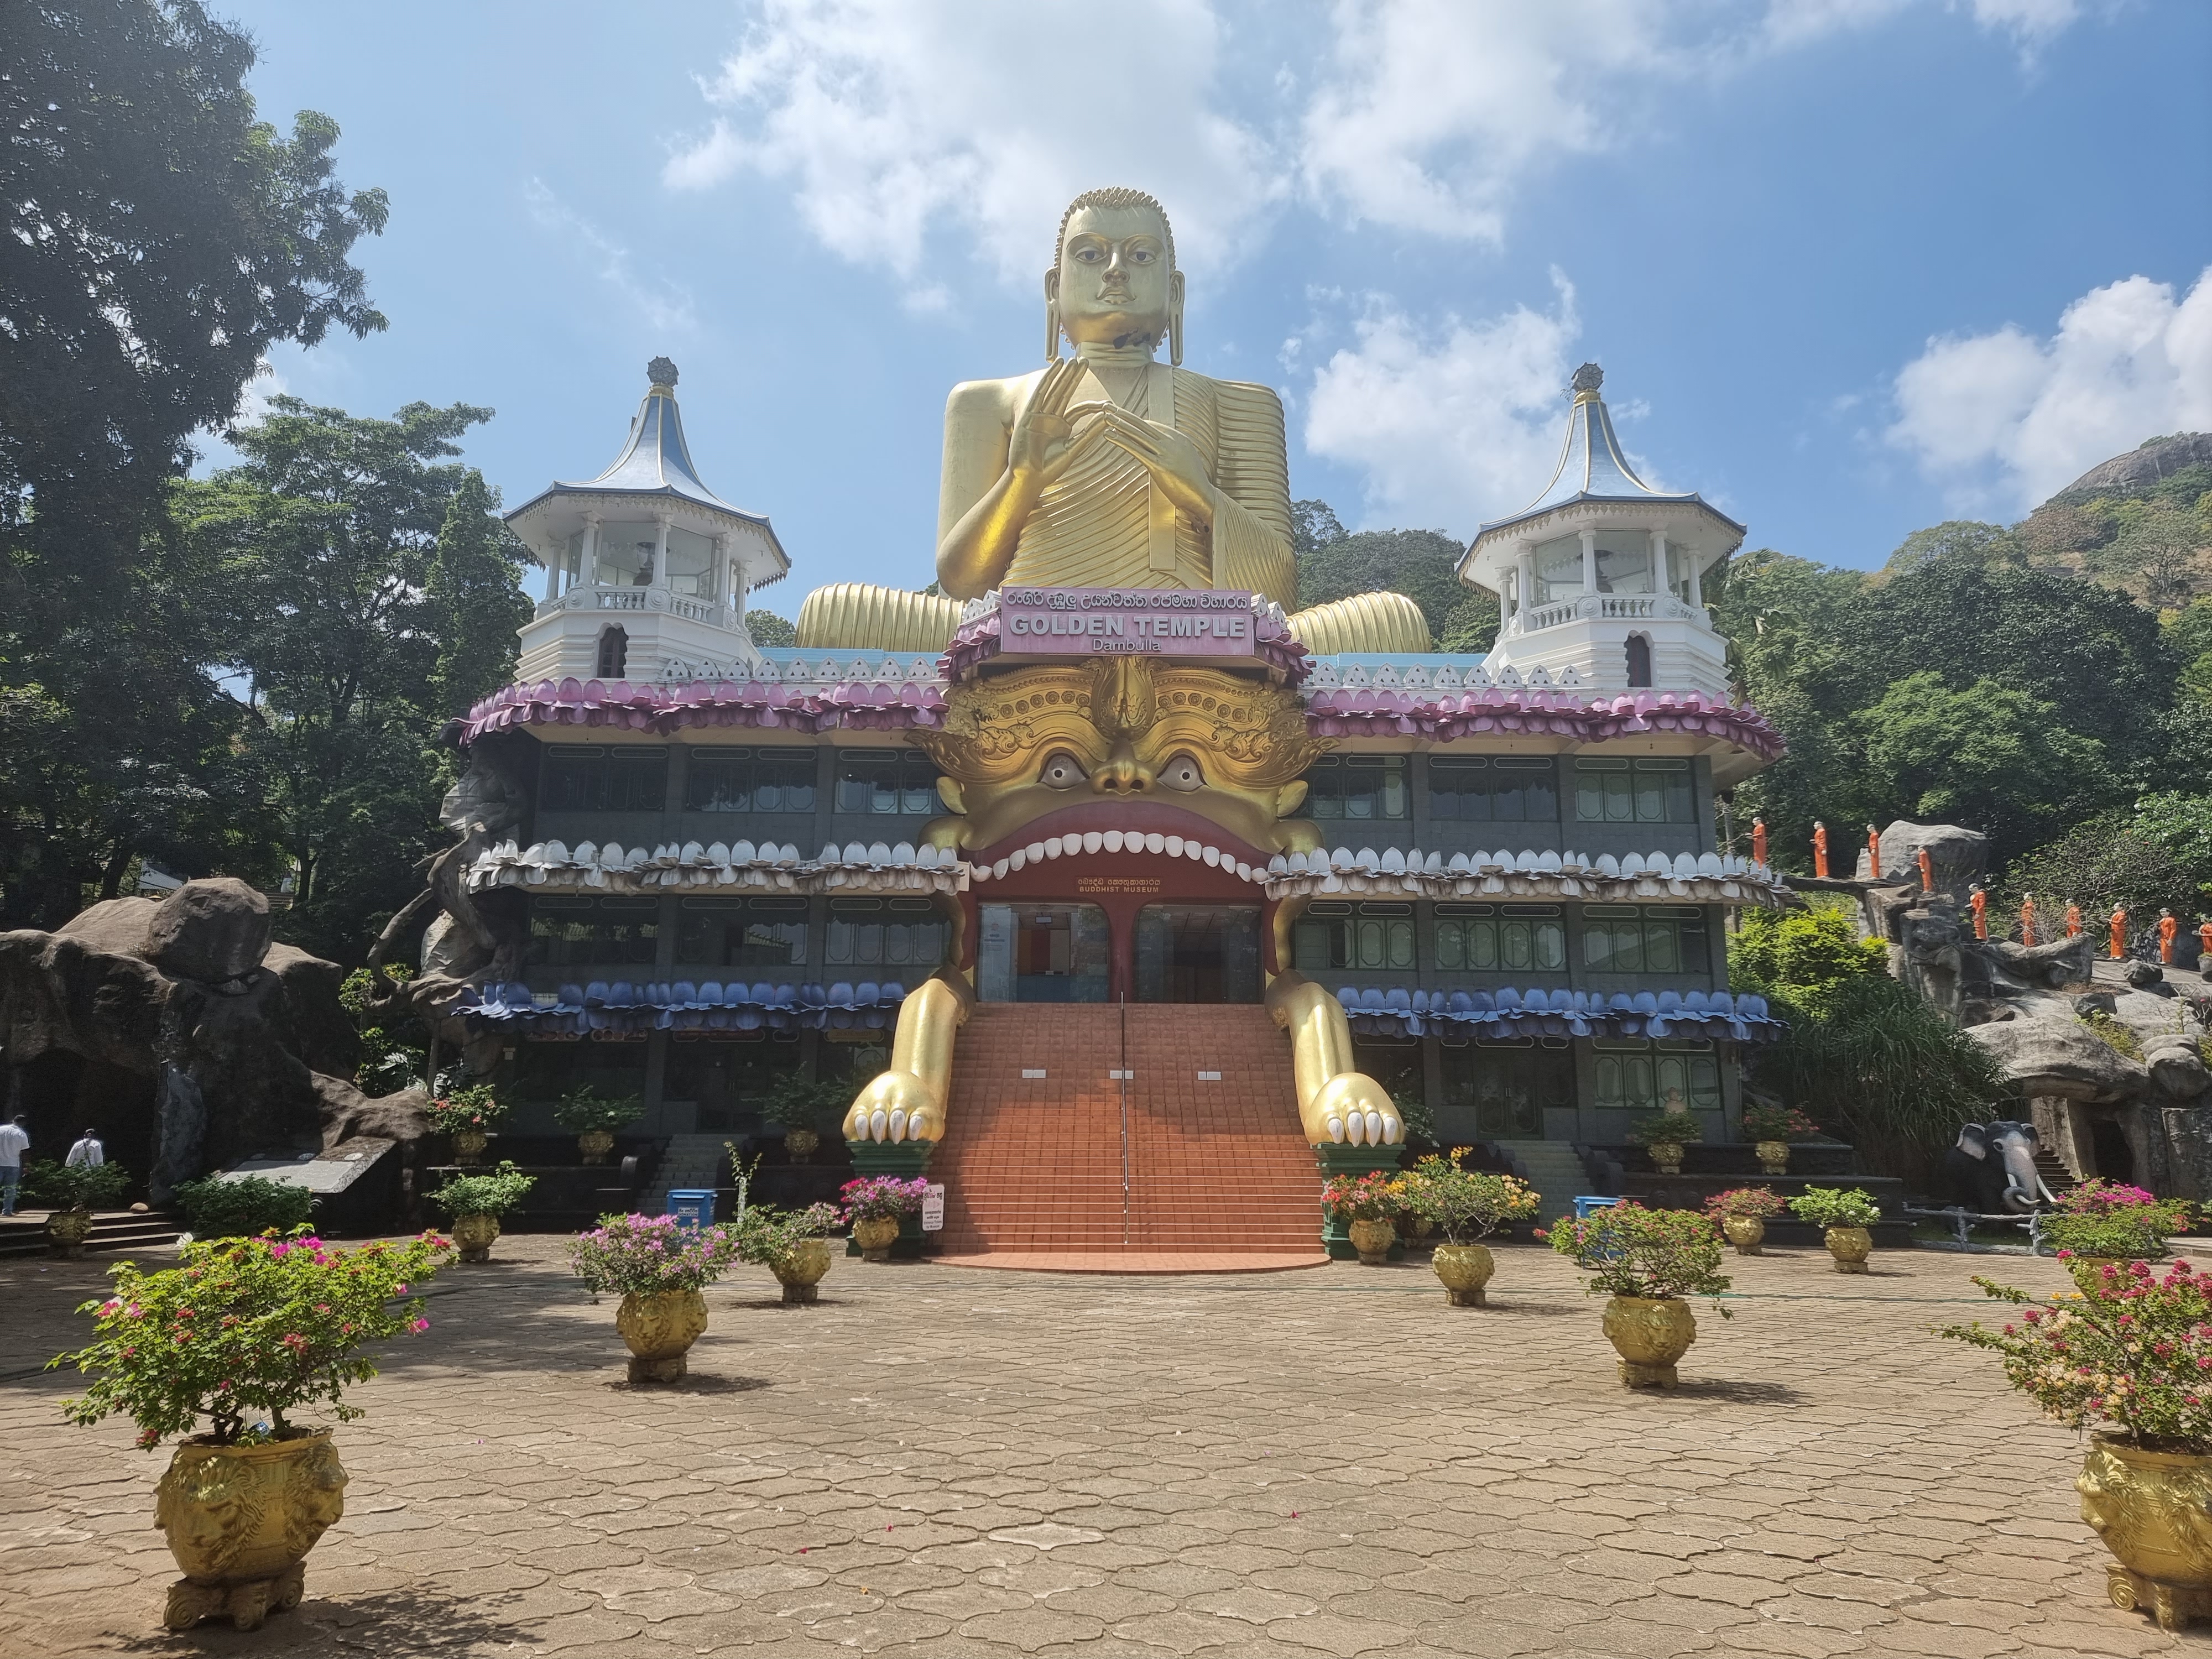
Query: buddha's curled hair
x=1114 y=195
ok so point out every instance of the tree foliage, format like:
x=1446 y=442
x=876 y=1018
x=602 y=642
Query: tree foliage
x=1334 y=563
x=770 y=629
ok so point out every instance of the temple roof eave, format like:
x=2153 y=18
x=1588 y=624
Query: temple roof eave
x=583 y=497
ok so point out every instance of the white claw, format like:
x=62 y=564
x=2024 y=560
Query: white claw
x=877 y=1124
x=1390 y=1130
x=1336 y=1130
x=898 y=1123
x=1375 y=1128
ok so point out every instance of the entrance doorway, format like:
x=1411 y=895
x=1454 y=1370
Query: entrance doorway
x=1197 y=953
x=1043 y=953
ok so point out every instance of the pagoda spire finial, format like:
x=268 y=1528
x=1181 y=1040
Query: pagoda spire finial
x=1588 y=379
x=661 y=373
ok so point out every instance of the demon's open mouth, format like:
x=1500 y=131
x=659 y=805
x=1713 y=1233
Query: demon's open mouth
x=1121 y=826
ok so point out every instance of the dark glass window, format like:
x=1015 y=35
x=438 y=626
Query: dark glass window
x=909 y=935
x=545 y=1070
x=886 y=780
x=1633 y=792
x=1638 y=1077
x=1043 y=953
x=726 y=1078
x=586 y=932
x=1656 y=939
x=603 y=778
x=757 y=932
x=1497 y=788
x=1334 y=935
x=1505 y=1086
x=1356 y=787
x=1507 y=938
x=750 y=781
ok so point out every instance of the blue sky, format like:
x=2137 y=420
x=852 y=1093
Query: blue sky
x=1851 y=266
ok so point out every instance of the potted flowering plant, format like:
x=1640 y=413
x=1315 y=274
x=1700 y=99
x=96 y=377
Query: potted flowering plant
x=72 y=1191
x=1771 y=1126
x=2101 y=1221
x=1647 y=1262
x=793 y=1244
x=1741 y=1213
x=467 y=1116
x=1467 y=1206
x=2125 y=1357
x=799 y=1107
x=476 y=1202
x=1666 y=1131
x=658 y=1266
x=1844 y=1215
x=592 y=1118
x=241 y=1335
x=1368 y=1204
x=877 y=1207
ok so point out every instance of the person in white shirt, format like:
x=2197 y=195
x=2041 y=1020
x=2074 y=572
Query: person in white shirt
x=88 y=1153
x=14 y=1143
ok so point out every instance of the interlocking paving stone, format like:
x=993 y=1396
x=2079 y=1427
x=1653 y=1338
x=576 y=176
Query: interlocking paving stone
x=938 y=1462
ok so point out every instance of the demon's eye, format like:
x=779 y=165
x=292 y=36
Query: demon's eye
x=1061 y=771
x=1182 y=772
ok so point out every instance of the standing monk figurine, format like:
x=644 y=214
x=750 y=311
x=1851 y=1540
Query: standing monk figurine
x=2073 y=920
x=1819 y=849
x=1873 y=852
x=2204 y=945
x=2167 y=927
x=1927 y=870
x=2027 y=919
x=1980 y=901
x=2119 y=932
x=1758 y=839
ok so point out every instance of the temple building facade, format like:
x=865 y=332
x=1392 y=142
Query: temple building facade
x=1485 y=889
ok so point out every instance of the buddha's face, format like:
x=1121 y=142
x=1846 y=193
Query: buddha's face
x=1112 y=284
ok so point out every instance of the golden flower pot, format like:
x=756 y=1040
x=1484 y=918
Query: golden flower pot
x=1650 y=1335
x=1666 y=1156
x=2088 y=1272
x=2153 y=1511
x=66 y=1231
x=801 y=1269
x=1851 y=1246
x=1464 y=1269
x=241 y=1521
x=660 y=1327
x=799 y=1144
x=595 y=1144
x=474 y=1235
x=1746 y=1233
x=1373 y=1240
x=468 y=1145
x=875 y=1236
x=1773 y=1156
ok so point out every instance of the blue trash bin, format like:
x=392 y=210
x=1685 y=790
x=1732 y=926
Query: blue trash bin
x=1585 y=1205
x=692 y=1206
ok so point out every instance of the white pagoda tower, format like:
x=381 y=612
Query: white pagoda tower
x=646 y=569
x=1602 y=573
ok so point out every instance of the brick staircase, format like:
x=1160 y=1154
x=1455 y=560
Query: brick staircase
x=112 y=1230
x=1215 y=1166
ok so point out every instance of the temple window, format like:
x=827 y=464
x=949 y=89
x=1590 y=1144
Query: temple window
x=873 y=932
x=614 y=654
x=1500 y=788
x=690 y=565
x=750 y=781
x=727 y=1079
x=583 y=933
x=544 y=1071
x=1637 y=1077
x=1042 y=953
x=1487 y=939
x=1640 y=659
x=1333 y=935
x=625 y=557
x=1504 y=1087
x=886 y=780
x=1657 y=939
x=1609 y=791
x=1624 y=567
x=1559 y=570
x=751 y=933
x=1356 y=787
x=603 y=778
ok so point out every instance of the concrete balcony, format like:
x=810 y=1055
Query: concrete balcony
x=663 y=636
x=1614 y=642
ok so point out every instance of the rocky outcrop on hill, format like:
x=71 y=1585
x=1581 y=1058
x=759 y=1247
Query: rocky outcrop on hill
x=2140 y=468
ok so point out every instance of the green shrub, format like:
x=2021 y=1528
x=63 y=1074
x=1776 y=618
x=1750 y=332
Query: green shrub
x=767 y=1235
x=1625 y=1249
x=1836 y=1207
x=476 y=1107
x=244 y=1208
x=84 y=1188
x=2122 y=1237
x=494 y=1193
x=1658 y=1127
x=2115 y=1035
x=1804 y=954
x=1467 y=1204
x=797 y=1102
x=585 y=1109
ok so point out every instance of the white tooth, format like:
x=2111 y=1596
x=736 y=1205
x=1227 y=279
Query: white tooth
x=1092 y=840
x=1036 y=850
x=1111 y=841
x=1155 y=843
x=1211 y=855
x=1244 y=871
x=1053 y=848
x=1174 y=847
x=1000 y=869
x=1191 y=850
x=1018 y=858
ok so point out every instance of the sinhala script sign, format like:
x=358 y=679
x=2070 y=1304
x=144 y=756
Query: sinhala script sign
x=1125 y=621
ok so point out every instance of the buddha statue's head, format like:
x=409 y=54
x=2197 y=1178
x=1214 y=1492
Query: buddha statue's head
x=1113 y=281
x=1118 y=743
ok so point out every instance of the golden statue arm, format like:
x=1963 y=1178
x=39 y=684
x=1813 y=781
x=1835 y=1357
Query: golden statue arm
x=908 y=1101
x=1336 y=1102
x=862 y=617
x=1386 y=623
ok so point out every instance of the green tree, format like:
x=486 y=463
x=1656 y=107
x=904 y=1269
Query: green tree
x=2156 y=855
x=475 y=601
x=1965 y=541
x=162 y=239
x=1422 y=564
x=769 y=628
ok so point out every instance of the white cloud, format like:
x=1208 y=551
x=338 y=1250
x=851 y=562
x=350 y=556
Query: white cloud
x=1452 y=425
x=2002 y=420
x=890 y=118
x=659 y=303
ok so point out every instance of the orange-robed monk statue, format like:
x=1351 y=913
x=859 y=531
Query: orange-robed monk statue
x=1758 y=841
x=1819 y=849
x=1927 y=872
x=1980 y=903
x=2073 y=920
x=2119 y=932
x=1873 y=852
x=2168 y=928
x=2027 y=919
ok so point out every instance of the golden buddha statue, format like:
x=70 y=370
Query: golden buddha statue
x=1110 y=469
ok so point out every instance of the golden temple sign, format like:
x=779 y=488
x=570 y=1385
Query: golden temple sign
x=1120 y=622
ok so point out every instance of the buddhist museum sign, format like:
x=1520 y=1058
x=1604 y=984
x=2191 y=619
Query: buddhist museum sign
x=1142 y=622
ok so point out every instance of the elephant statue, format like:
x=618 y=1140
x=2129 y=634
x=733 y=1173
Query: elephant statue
x=1992 y=1168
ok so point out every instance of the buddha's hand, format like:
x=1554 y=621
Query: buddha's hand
x=1171 y=457
x=1044 y=439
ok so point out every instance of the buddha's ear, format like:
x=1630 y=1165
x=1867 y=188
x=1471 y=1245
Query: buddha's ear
x=1289 y=798
x=948 y=791
x=1175 y=318
x=1051 y=315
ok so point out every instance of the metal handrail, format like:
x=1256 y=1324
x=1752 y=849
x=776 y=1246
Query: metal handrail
x=1962 y=1220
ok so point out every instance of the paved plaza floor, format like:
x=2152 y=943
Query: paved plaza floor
x=941 y=1461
